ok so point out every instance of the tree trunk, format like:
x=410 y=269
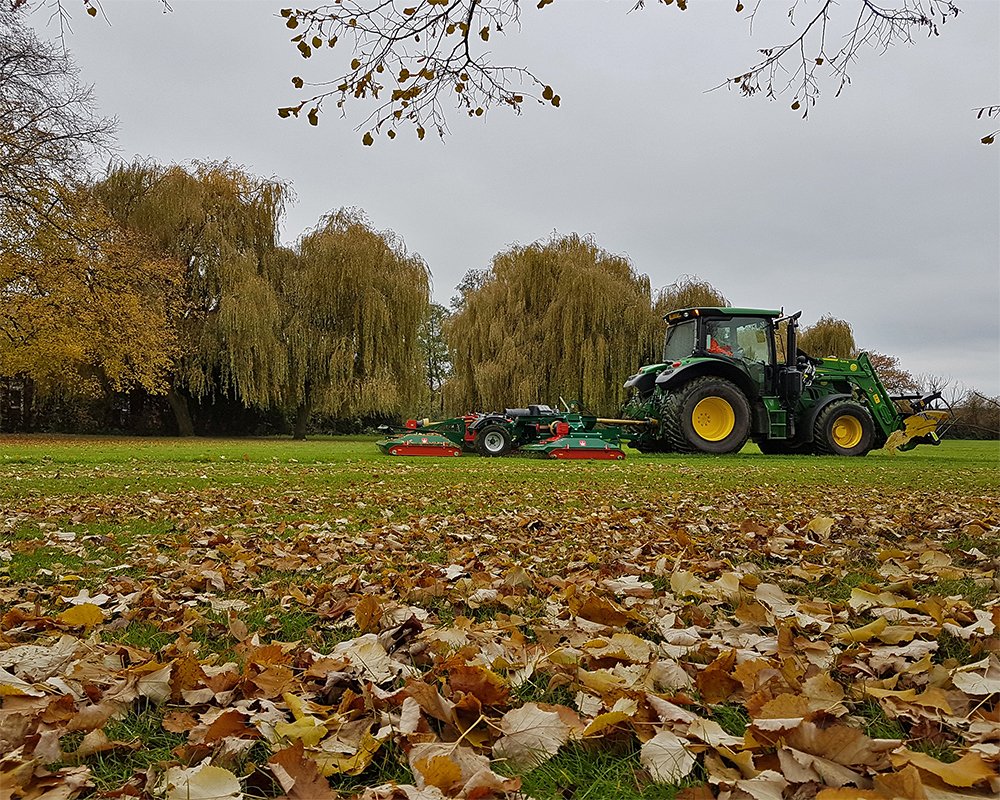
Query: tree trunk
x=302 y=414
x=179 y=405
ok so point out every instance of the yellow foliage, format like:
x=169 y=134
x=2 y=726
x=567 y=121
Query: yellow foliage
x=80 y=297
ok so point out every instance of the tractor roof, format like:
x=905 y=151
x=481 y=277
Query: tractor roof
x=687 y=313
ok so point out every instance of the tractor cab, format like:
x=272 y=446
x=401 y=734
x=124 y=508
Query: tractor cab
x=744 y=334
x=736 y=343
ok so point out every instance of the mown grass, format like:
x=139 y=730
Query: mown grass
x=60 y=466
x=105 y=497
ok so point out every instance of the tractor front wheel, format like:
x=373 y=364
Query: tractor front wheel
x=708 y=415
x=493 y=440
x=844 y=428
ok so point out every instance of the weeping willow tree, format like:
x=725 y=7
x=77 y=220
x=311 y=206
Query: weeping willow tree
x=220 y=224
x=556 y=318
x=828 y=337
x=688 y=291
x=356 y=302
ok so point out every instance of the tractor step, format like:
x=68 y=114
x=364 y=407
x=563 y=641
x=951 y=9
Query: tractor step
x=419 y=444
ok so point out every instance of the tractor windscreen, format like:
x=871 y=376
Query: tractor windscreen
x=679 y=341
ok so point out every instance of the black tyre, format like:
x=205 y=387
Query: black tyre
x=493 y=440
x=780 y=447
x=844 y=428
x=707 y=415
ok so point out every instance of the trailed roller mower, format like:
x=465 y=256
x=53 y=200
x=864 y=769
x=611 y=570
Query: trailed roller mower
x=728 y=375
x=539 y=430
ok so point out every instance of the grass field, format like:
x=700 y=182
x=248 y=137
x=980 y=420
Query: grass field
x=461 y=603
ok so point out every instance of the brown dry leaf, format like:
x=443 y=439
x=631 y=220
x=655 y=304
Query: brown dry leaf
x=298 y=776
x=178 y=721
x=667 y=758
x=849 y=794
x=799 y=767
x=431 y=702
x=531 y=736
x=368 y=613
x=905 y=785
x=824 y=694
x=601 y=610
x=486 y=685
x=839 y=743
x=203 y=782
x=458 y=770
x=229 y=723
x=981 y=678
x=155 y=685
x=715 y=682
x=98 y=742
x=766 y=785
x=821 y=526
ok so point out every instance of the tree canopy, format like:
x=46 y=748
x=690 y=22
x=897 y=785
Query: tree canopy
x=405 y=63
x=829 y=336
x=555 y=318
x=219 y=223
x=356 y=300
x=82 y=299
x=49 y=131
x=688 y=291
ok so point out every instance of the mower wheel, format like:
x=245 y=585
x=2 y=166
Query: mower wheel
x=493 y=440
x=708 y=415
x=844 y=428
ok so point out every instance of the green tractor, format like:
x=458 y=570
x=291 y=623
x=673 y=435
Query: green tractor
x=733 y=374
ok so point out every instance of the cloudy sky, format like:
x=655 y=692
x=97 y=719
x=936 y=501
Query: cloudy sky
x=881 y=208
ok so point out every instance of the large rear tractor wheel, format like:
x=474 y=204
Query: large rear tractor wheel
x=707 y=415
x=493 y=440
x=844 y=428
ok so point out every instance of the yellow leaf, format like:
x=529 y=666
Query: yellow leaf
x=84 y=615
x=350 y=765
x=308 y=730
x=968 y=770
x=864 y=633
x=439 y=771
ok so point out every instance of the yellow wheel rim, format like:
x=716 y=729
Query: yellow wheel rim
x=713 y=419
x=847 y=431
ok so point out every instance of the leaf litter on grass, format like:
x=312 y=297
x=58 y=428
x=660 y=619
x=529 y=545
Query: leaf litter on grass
x=599 y=630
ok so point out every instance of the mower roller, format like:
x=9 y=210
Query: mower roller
x=539 y=430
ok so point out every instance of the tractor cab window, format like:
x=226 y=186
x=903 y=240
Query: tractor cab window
x=740 y=337
x=679 y=341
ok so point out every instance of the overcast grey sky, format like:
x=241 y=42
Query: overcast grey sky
x=882 y=208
